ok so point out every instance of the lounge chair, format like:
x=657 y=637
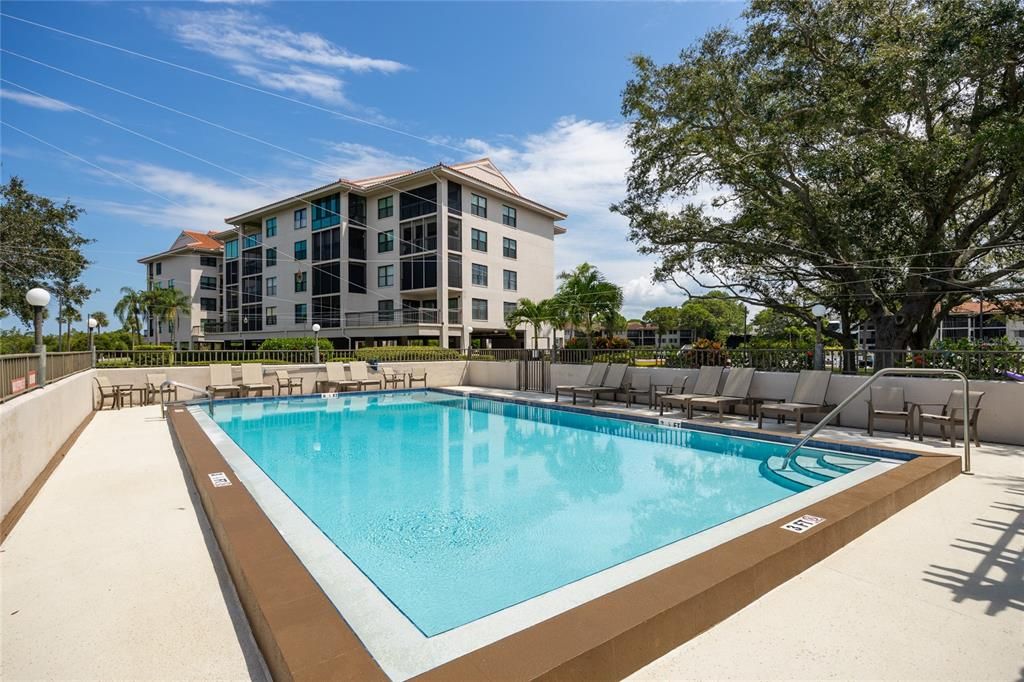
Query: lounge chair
x=677 y=387
x=594 y=377
x=336 y=380
x=252 y=380
x=612 y=383
x=707 y=385
x=889 y=402
x=154 y=387
x=115 y=392
x=735 y=392
x=422 y=378
x=392 y=379
x=359 y=374
x=221 y=382
x=948 y=417
x=638 y=385
x=284 y=380
x=808 y=396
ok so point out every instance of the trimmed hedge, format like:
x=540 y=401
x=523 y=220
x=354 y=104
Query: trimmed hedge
x=407 y=353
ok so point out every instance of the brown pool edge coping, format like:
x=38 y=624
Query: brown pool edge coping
x=17 y=510
x=304 y=637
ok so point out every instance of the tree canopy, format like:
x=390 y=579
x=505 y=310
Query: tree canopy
x=586 y=298
x=713 y=316
x=866 y=156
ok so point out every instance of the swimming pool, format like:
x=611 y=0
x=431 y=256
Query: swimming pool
x=459 y=507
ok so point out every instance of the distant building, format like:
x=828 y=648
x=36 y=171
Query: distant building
x=191 y=264
x=981 y=321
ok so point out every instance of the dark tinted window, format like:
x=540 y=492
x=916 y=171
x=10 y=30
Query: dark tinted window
x=417 y=202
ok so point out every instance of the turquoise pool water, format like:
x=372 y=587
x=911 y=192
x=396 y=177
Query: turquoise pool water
x=459 y=507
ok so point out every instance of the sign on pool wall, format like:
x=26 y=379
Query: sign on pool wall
x=219 y=479
x=802 y=524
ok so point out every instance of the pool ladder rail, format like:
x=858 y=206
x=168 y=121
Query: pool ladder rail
x=788 y=459
x=178 y=384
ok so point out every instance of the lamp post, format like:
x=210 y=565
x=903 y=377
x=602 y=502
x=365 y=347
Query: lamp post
x=469 y=342
x=92 y=345
x=316 y=343
x=39 y=299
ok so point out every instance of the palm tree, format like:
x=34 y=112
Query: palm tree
x=586 y=297
x=175 y=302
x=101 y=320
x=529 y=312
x=129 y=310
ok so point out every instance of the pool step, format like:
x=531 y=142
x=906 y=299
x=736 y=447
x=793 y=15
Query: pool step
x=789 y=477
x=807 y=470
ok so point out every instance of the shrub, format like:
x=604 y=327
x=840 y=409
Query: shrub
x=297 y=343
x=407 y=353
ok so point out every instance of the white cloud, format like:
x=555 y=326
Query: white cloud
x=273 y=56
x=37 y=101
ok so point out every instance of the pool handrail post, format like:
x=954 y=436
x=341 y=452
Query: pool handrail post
x=906 y=371
x=169 y=383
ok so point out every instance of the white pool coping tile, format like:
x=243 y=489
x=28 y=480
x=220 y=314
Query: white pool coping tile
x=398 y=646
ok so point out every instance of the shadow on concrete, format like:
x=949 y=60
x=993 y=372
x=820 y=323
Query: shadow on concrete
x=998 y=579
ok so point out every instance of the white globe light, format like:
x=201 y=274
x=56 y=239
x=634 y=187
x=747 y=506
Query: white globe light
x=316 y=328
x=37 y=297
x=469 y=330
x=93 y=323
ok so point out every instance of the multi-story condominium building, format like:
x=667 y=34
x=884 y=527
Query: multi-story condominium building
x=192 y=264
x=437 y=254
x=982 y=321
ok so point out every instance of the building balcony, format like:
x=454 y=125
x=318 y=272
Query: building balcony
x=393 y=318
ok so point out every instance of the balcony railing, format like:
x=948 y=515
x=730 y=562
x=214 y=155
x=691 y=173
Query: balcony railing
x=393 y=318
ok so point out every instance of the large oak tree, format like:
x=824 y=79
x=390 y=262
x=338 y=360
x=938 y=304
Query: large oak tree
x=864 y=155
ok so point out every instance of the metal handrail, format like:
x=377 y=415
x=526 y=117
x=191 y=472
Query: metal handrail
x=906 y=371
x=171 y=383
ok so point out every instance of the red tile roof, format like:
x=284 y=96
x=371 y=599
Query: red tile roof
x=203 y=240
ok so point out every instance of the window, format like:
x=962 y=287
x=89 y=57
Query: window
x=357 y=243
x=509 y=280
x=230 y=249
x=271 y=227
x=299 y=219
x=507 y=308
x=509 y=248
x=417 y=202
x=385 y=241
x=327 y=245
x=300 y=250
x=454 y=198
x=300 y=313
x=419 y=272
x=208 y=261
x=454 y=270
x=170 y=284
x=327 y=212
x=478 y=240
x=251 y=241
x=357 y=278
x=386 y=311
x=208 y=283
x=271 y=257
x=159 y=268
x=252 y=290
x=231 y=298
x=327 y=311
x=271 y=315
x=454 y=234
x=478 y=205
x=208 y=304
x=479 y=309
x=508 y=216
x=386 y=276
x=479 y=275
x=300 y=281
x=231 y=272
x=252 y=263
x=271 y=286
x=418 y=235
x=385 y=207
x=326 y=278
x=357 y=209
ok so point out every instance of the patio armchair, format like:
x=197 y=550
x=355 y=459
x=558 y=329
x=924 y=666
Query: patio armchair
x=639 y=385
x=808 y=396
x=951 y=415
x=154 y=387
x=707 y=385
x=114 y=392
x=359 y=374
x=890 y=402
x=252 y=380
x=285 y=380
x=222 y=382
x=594 y=377
x=612 y=383
x=735 y=392
x=335 y=380
x=392 y=379
x=422 y=378
x=677 y=387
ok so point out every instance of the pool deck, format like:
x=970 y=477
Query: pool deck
x=111 y=573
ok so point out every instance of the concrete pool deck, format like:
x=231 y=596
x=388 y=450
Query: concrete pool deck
x=933 y=592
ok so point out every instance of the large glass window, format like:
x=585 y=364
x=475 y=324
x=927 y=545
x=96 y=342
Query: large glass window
x=160 y=267
x=231 y=298
x=479 y=275
x=386 y=311
x=508 y=216
x=357 y=209
x=454 y=270
x=327 y=245
x=478 y=205
x=357 y=243
x=252 y=290
x=385 y=207
x=385 y=241
x=417 y=202
x=326 y=211
x=252 y=263
x=299 y=218
x=454 y=234
x=479 y=309
x=271 y=257
x=230 y=249
x=208 y=282
x=300 y=281
x=386 y=276
x=208 y=261
x=271 y=286
x=271 y=227
x=326 y=278
x=418 y=236
x=208 y=304
x=478 y=240
x=419 y=272
x=300 y=313
x=357 y=278
x=251 y=241
x=454 y=198
x=327 y=311
x=300 y=250
x=231 y=272
x=509 y=280
x=509 y=248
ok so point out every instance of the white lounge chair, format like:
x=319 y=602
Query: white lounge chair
x=252 y=380
x=222 y=382
x=359 y=374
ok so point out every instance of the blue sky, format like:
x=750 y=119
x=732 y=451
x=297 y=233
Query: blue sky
x=536 y=86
